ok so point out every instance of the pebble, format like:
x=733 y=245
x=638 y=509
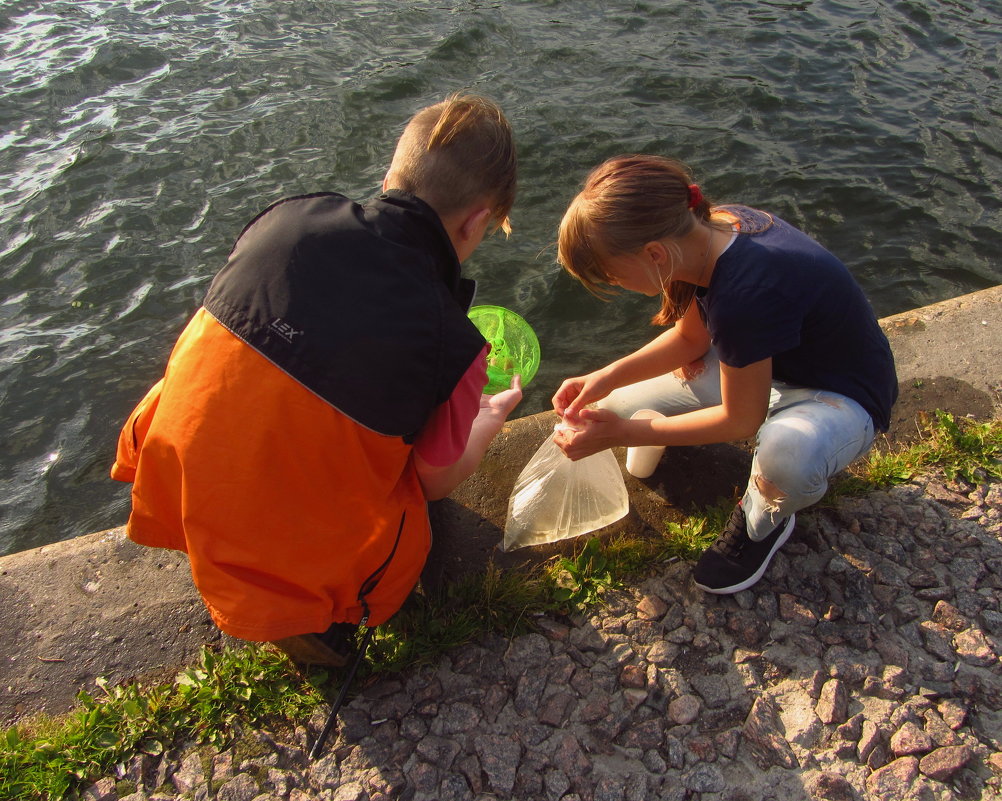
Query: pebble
x=865 y=665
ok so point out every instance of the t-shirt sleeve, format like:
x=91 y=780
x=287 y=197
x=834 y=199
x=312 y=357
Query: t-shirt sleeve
x=443 y=438
x=755 y=326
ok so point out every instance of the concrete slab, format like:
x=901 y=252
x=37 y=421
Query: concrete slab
x=949 y=356
x=97 y=605
x=100 y=605
x=960 y=338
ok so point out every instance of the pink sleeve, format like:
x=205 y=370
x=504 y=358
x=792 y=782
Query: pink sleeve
x=444 y=437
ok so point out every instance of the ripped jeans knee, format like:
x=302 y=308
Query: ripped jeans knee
x=768 y=502
x=807 y=438
x=772 y=496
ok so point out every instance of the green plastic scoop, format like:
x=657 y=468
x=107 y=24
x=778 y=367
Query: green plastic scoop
x=514 y=346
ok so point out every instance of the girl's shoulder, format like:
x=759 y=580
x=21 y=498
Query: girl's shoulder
x=747 y=219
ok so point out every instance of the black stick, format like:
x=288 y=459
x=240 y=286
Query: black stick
x=318 y=746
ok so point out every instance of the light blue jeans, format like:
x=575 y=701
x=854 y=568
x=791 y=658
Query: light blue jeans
x=808 y=436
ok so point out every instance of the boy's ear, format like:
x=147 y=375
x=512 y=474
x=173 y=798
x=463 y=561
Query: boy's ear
x=474 y=222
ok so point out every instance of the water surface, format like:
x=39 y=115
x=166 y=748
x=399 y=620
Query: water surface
x=138 y=136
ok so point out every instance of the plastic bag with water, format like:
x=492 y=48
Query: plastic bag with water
x=555 y=498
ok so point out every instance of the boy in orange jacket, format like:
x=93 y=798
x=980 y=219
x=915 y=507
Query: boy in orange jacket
x=327 y=388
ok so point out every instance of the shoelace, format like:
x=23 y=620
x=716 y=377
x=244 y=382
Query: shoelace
x=734 y=536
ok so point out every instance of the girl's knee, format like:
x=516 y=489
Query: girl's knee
x=780 y=495
x=622 y=403
x=771 y=492
x=664 y=395
x=793 y=470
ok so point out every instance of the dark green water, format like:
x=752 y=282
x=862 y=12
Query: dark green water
x=136 y=139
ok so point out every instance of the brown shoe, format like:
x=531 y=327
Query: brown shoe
x=333 y=648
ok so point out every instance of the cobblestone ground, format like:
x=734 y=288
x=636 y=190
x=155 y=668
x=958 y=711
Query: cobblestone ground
x=865 y=665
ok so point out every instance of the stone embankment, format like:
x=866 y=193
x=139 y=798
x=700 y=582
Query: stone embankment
x=865 y=665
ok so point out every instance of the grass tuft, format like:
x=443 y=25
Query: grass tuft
x=431 y=624
x=962 y=448
x=48 y=758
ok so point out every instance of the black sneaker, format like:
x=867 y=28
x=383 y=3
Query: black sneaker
x=735 y=561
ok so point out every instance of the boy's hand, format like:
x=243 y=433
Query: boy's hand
x=438 y=481
x=502 y=403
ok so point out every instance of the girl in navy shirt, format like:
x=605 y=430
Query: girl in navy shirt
x=770 y=337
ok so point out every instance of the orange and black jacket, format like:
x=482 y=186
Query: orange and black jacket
x=276 y=449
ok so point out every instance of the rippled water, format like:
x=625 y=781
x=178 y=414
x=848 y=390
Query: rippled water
x=136 y=138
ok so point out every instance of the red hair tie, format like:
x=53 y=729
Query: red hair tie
x=695 y=196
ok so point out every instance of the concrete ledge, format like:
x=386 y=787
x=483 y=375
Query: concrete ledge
x=100 y=605
x=960 y=338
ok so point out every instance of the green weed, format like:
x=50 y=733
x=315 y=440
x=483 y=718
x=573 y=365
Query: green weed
x=961 y=448
x=47 y=759
x=883 y=469
x=694 y=534
x=965 y=448
x=580 y=581
x=430 y=624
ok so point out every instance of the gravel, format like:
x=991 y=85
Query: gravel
x=865 y=665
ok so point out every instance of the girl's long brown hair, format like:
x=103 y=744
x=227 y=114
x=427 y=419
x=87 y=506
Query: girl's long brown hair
x=627 y=202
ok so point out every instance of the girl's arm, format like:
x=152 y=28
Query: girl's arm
x=744 y=403
x=678 y=346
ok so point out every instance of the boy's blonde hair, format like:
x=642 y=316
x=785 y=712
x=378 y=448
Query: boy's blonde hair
x=627 y=202
x=457 y=153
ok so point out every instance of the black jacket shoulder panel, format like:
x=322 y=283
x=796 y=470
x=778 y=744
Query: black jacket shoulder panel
x=363 y=305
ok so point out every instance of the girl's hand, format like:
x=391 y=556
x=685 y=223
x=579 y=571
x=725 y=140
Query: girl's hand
x=565 y=395
x=600 y=429
x=576 y=393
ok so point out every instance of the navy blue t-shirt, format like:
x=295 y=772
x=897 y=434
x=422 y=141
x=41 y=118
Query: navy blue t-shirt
x=778 y=293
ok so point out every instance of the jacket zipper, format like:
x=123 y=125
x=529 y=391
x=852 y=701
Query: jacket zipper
x=370 y=583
